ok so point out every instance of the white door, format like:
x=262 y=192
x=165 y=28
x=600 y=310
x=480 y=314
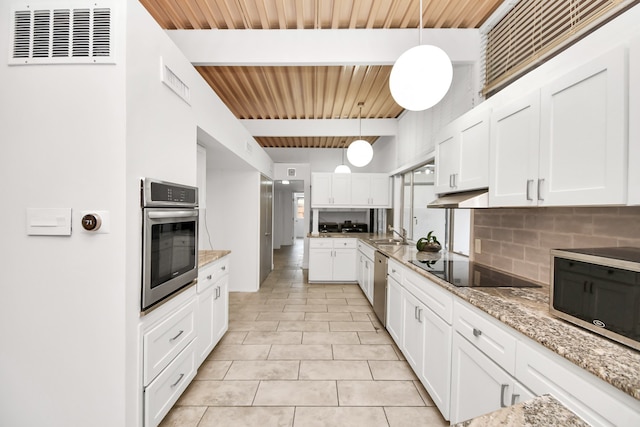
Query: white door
x=474 y=150
x=360 y=188
x=298 y=215
x=394 y=313
x=447 y=160
x=379 y=192
x=436 y=365
x=413 y=338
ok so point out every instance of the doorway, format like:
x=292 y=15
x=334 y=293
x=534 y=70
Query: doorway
x=266 y=227
x=288 y=212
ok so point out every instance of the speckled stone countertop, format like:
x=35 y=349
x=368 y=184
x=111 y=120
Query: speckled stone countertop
x=208 y=256
x=527 y=311
x=541 y=411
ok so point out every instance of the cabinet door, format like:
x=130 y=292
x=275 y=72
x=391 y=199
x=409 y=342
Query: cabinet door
x=447 y=159
x=394 y=313
x=368 y=277
x=321 y=189
x=344 y=265
x=413 y=338
x=479 y=386
x=320 y=264
x=206 y=310
x=514 y=142
x=634 y=125
x=221 y=309
x=473 y=129
x=360 y=189
x=379 y=192
x=341 y=189
x=436 y=365
x=583 y=142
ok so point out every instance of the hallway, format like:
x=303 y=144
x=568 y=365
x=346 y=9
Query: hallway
x=303 y=355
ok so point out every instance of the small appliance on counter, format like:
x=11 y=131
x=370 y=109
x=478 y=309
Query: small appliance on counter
x=599 y=290
x=353 y=227
x=328 y=227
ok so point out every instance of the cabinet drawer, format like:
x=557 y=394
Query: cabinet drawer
x=395 y=270
x=486 y=335
x=165 y=390
x=163 y=342
x=430 y=294
x=341 y=243
x=366 y=250
x=321 y=243
x=210 y=273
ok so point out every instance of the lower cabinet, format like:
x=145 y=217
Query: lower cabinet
x=395 y=314
x=365 y=269
x=479 y=385
x=213 y=317
x=333 y=260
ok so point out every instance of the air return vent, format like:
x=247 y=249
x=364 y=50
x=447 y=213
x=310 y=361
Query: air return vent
x=47 y=33
x=291 y=172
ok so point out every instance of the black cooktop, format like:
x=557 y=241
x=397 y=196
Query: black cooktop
x=465 y=273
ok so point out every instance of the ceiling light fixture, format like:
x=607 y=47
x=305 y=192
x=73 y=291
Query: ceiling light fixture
x=360 y=151
x=342 y=168
x=421 y=76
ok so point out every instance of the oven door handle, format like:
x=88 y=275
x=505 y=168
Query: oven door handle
x=176 y=214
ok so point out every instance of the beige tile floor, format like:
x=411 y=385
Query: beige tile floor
x=303 y=355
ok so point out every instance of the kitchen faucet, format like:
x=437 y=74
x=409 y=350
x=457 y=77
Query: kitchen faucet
x=403 y=235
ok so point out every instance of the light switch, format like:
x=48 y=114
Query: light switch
x=49 y=221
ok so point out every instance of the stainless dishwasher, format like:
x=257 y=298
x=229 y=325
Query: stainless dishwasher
x=380 y=286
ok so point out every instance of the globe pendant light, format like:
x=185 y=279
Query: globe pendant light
x=421 y=76
x=360 y=151
x=342 y=168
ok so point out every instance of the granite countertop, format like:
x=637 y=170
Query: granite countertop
x=527 y=311
x=208 y=256
x=540 y=411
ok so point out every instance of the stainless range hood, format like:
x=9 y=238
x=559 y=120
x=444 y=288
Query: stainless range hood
x=467 y=200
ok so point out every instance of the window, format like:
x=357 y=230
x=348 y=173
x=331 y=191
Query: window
x=450 y=226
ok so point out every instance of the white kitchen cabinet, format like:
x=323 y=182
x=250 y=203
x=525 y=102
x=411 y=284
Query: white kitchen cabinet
x=370 y=190
x=395 y=313
x=213 y=306
x=598 y=403
x=366 y=269
x=462 y=153
x=634 y=124
x=412 y=344
x=583 y=135
x=514 y=144
x=479 y=385
x=436 y=364
x=333 y=260
x=330 y=190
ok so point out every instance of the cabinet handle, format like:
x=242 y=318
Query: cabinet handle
x=529 y=183
x=477 y=332
x=224 y=267
x=514 y=398
x=393 y=270
x=419 y=315
x=503 y=388
x=451 y=180
x=176 y=337
x=540 y=182
x=178 y=381
x=209 y=277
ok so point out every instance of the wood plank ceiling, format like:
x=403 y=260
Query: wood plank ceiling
x=311 y=92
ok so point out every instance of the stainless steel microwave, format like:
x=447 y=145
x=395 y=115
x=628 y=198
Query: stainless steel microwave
x=169 y=239
x=598 y=289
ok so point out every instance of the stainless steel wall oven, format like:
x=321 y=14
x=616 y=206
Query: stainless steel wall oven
x=169 y=239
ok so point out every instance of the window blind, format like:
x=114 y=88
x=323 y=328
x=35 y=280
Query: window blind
x=534 y=30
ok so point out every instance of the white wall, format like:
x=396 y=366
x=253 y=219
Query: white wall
x=62 y=317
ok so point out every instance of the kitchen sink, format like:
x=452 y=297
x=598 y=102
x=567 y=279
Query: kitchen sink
x=389 y=242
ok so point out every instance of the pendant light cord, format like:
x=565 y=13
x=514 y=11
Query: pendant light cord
x=420 y=28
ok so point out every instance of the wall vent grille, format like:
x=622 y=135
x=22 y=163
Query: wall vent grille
x=291 y=172
x=174 y=83
x=62 y=35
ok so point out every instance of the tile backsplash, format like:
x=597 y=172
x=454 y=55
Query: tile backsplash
x=518 y=240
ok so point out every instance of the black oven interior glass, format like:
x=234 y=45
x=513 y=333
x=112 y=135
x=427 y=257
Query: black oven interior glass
x=172 y=250
x=169 y=239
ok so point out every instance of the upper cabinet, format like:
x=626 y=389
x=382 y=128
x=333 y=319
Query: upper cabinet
x=515 y=139
x=357 y=190
x=634 y=123
x=462 y=153
x=565 y=144
x=330 y=189
x=583 y=138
